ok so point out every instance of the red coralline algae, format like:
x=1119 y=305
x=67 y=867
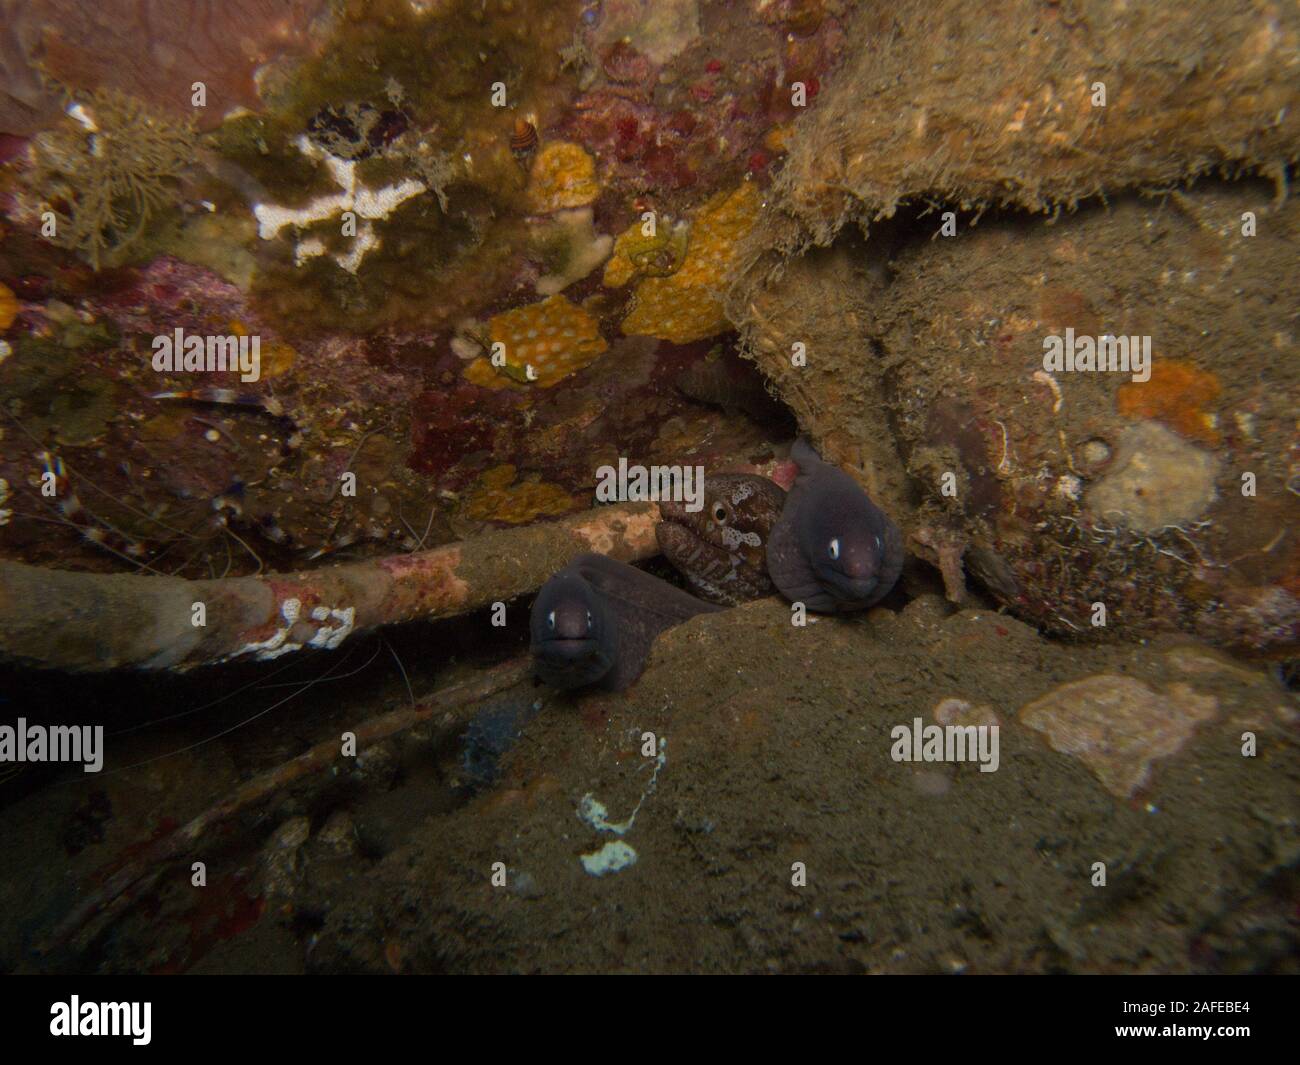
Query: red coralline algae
x=447 y=425
x=153 y=49
x=169 y=293
x=624 y=64
x=695 y=118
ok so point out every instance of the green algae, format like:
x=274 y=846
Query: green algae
x=446 y=251
x=262 y=148
x=47 y=386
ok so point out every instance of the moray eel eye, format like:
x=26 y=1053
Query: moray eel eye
x=719 y=513
x=588 y=620
x=833 y=549
x=550 y=619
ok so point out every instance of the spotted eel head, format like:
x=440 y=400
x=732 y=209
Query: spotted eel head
x=721 y=548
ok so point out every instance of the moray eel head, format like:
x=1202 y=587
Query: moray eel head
x=573 y=643
x=833 y=549
x=846 y=548
x=721 y=549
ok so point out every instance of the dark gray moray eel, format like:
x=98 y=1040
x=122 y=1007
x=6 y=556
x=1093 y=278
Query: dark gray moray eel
x=832 y=548
x=593 y=623
x=721 y=549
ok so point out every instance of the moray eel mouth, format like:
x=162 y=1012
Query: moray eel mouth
x=851 y=590
x=676 y=515
x=569 y=647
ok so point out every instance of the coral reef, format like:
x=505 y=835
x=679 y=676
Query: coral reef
x=687 y=304
x=486 y=194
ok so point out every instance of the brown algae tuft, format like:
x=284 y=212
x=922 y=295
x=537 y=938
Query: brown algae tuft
x=108 y=170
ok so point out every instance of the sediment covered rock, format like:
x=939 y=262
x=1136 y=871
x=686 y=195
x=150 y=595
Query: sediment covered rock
x=1002 y=104
x=1157 y=494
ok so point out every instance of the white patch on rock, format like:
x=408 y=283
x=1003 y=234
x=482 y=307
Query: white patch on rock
x=278 y=643
x=1069 y=486
x=613 y=857
x=330 y=636
x=1157 y=479
x=587 y=249
x=661 y=29
x=368 y=205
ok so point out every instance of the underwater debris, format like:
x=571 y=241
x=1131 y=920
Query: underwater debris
x=453 y=704
x=128 y=621
x=108 y=170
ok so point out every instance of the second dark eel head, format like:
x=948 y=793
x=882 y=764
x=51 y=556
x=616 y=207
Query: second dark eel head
x=594 y=622
x=832 y=549
x=824 y=544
